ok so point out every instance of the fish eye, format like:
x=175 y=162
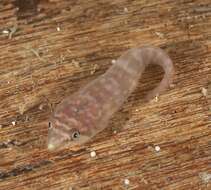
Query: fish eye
x=75 y=135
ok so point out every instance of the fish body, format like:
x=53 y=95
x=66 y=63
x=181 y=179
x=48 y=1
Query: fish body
x=85 y=113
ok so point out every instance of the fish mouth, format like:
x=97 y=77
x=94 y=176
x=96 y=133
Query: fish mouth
x=56 y=139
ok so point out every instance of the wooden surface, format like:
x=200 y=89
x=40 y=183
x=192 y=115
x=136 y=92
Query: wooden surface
x=55 y=47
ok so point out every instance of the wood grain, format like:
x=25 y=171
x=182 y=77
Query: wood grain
x=51 y=48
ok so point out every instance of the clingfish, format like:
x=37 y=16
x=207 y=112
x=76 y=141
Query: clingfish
x=79 y=117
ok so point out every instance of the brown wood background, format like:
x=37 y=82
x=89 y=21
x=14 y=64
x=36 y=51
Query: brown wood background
x=56 y=46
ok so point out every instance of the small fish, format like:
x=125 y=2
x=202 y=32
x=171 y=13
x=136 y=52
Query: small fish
x=82 y=115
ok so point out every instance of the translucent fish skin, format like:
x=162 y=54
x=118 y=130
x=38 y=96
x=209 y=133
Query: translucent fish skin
x=87 y=112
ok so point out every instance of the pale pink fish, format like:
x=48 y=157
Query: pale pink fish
x=82 y=115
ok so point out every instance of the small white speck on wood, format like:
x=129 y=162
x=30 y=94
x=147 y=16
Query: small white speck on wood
x=126 y=9
x=155 y=99
x=159 y=34
x=126 y=181
x=95 y=67
x=36 y=53
x=113 y=61
x=58 y=28
x=93 y=154
x=5 y=31
x=13 y=123
x=41 y=106
x=206 y=177
x=204 y=91
x=75 y=63
x=157 y=148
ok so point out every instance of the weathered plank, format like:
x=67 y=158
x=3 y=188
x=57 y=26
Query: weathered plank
x=58 y=46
